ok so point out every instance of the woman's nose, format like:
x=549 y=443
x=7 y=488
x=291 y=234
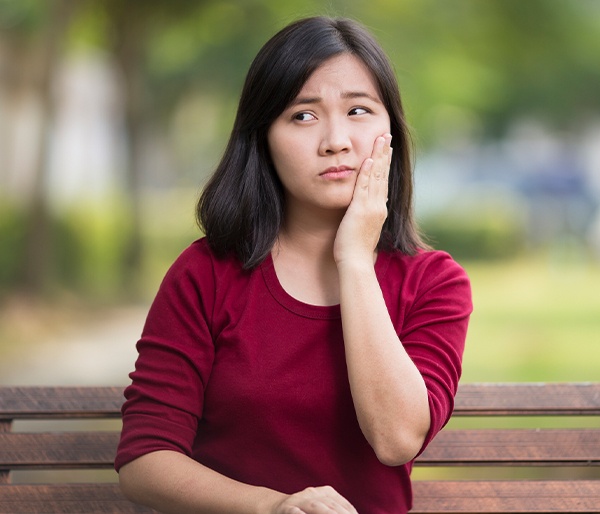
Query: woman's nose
x=335 y=139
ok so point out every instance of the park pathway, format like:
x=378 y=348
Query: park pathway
x=99 y=353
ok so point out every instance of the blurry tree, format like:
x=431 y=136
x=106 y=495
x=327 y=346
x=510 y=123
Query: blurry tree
x=33 y=37
x=162 y=49
x=131 y=27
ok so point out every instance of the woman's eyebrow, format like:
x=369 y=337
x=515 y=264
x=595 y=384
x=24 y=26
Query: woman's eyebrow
x=306 y=100
x=344 y=95
x=359 y=94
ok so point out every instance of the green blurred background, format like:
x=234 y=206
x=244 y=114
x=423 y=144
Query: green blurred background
x=113 y=113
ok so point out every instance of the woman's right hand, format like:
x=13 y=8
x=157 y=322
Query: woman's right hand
x=315 y=500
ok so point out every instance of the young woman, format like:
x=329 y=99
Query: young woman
x=301 y=355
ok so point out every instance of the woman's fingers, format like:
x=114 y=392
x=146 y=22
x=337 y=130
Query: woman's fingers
x=374 y=171
x=316 y=500
x=364 y=177
x=381 y=156
x=373 y=177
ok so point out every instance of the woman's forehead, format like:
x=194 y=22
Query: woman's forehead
x=346 y=74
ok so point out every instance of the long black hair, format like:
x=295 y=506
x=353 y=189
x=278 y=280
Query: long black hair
x=241 y=208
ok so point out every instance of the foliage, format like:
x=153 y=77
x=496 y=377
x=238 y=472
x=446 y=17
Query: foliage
x=12 y=235
x=25 y=15
x=90 y=247
x=476 y=235
x=86 y=251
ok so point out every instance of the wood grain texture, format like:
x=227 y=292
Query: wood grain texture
x=458 y=497
x=521 y=399
x=91 y=450
x=66 y=498
x=528 y=399
x=515 y=447
x=60 y=402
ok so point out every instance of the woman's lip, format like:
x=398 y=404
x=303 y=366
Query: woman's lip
x=336 y=172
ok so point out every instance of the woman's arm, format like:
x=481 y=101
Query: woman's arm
x=388 y=390
x=171 y=482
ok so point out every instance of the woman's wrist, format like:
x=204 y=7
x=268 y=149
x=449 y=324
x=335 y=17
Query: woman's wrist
x=364 y=264
x=269 y=501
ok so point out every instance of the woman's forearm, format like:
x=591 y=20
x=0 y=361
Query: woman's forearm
x=388 y=390
x=171 y=482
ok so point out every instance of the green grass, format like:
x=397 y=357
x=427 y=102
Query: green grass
x=534 y=319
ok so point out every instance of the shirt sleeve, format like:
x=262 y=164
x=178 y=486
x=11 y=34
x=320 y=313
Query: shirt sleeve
x=175 y=354
x=434 y=332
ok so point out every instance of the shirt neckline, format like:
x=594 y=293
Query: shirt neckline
x=305 y=309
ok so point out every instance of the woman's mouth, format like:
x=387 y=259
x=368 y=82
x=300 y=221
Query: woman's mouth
x=337 y=172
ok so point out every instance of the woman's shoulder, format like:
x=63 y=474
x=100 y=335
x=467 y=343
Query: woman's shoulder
x=426 y=270
x=199 y=254
x=199 y=263
x=424 y=261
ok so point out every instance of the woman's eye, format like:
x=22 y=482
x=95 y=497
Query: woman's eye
x=304 y=116
x=358 y=110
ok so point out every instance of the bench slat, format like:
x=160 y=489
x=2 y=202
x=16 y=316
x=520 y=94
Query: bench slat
x=66 y=498
x=526 y=399
x=472 y=400
x=430 y=497
x=460 y=497
x=92 y=450
x=515 y=447
x=60 y=402
x=565 y=447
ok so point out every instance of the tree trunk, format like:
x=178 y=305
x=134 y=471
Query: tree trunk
x=129 y=40
x=38 y=258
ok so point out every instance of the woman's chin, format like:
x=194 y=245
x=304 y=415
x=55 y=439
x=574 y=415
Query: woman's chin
x=338 y=204
x=340 y=200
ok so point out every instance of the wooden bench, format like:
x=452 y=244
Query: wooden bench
x=36 y=433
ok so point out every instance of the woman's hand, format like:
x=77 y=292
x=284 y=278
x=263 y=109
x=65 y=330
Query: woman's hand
x=315 y=500
x=360 y=229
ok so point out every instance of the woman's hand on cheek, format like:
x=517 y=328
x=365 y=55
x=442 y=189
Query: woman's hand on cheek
x=360 y=229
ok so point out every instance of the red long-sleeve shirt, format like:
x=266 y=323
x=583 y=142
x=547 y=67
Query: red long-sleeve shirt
x=252 y=383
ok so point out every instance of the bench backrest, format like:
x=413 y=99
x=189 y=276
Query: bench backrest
x=55 y=445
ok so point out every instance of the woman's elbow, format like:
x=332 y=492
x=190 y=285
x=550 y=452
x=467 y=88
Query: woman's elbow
x=127 y=483
x=131 y=482
x=398 y=450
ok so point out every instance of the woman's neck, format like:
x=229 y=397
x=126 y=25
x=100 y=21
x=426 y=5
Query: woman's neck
x=311 y=235
x=303 y=259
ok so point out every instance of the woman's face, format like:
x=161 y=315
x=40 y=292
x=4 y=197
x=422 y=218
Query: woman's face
x=321 y=140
